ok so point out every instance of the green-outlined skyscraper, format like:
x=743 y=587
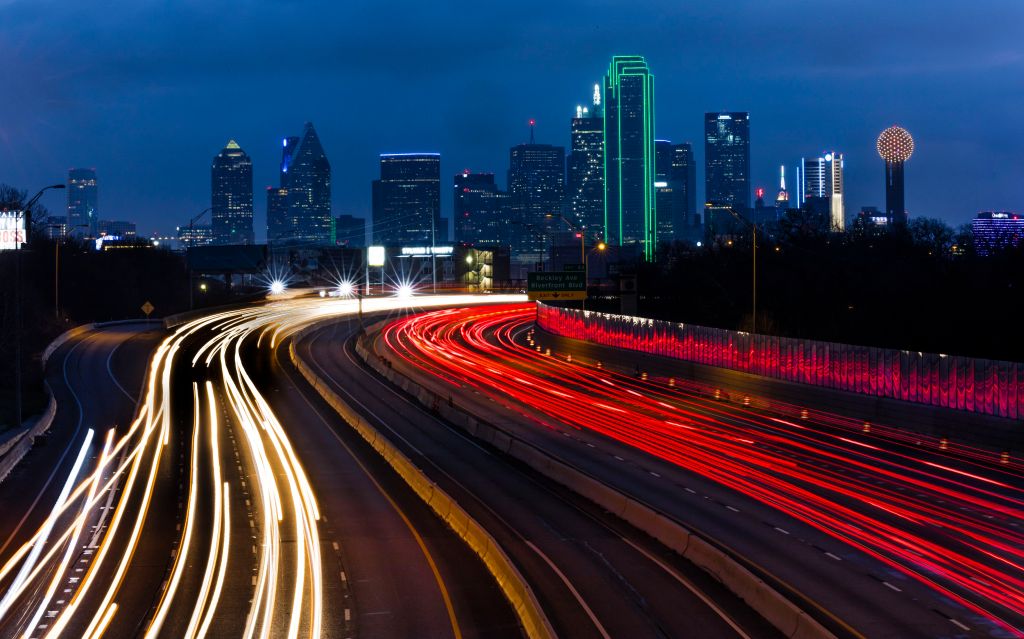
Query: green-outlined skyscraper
x=630 y=213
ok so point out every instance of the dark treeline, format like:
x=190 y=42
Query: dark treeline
x=94 y=287
x=923 y=288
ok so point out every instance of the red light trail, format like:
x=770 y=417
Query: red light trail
x=943 y=516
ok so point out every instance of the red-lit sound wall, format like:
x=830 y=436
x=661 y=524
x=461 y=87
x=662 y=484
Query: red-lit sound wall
x=984 y=386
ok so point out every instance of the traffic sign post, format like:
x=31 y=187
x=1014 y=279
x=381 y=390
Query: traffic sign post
x=147 y=308
x=555 y=286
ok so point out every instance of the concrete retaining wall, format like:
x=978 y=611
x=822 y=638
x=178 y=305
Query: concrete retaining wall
x=23 y=442
x=720 y=562
x=509 y=579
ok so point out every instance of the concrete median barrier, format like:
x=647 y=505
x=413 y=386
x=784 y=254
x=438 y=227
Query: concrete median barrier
x=720 y=562
x=519 y=594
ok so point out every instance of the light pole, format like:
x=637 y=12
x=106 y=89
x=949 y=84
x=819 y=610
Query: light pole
x=27 y=220
x=601 y=246
x=576 y=229
x=56 y=264
x=753 y=286
x=191 y=243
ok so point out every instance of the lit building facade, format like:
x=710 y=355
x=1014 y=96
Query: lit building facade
x=994 y=231
x=308 y=221
x=481 y=213
x=118 y=228
x=194 y=236
x=407 y=200
x=536 y=186
x=630 y=209
x=231 y=196
x=586 y=167
x=823 y=189
x=727 y=160
x=82 y=197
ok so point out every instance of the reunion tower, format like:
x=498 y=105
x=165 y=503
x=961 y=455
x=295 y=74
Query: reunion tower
x=895 y=146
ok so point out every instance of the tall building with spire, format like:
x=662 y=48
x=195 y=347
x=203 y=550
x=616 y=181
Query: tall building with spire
x=82 y=197
x=309 y=191
x=895 y=146
x=231 y=196
x=629 y=167
x=585 y=183
x=782 y=199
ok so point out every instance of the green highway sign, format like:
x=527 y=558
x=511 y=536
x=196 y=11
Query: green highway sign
x=558 y=285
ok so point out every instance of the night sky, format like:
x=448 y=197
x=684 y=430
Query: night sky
x=148 y=92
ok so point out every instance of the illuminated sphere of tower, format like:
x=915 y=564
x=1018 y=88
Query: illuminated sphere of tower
x=895 y=144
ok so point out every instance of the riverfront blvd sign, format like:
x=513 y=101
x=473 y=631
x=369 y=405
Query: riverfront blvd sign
x=558 y=285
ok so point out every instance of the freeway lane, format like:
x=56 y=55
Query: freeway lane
x=896 y=542
x=377 y=532
x=594 y=576
x=95 y=378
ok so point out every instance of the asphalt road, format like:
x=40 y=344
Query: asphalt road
x=847 y=588
x=594 y=575
x=95 y=378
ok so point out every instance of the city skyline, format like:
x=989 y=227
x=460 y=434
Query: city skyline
x=893 y=82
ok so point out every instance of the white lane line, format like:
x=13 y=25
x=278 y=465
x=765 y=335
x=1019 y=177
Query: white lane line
x=961 y=626
x=735 y=510
x=654 y=474
x=890 y=586
x=784 y=532
x=691 y=491
x=689 y=586
x=836 y=557
x=572 y=589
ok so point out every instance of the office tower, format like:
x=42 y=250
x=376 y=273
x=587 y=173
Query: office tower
x=194 y=236
x=231 y=196
x=994 y=231
x=664 y=191
x=683 y=178
x=823 y=190
x=309 y=192
x=479 y=213
x=118 y=228
x=536 y=186
x=727 y=160
x=586 y=167
x=630 y=214
x=895 y=146
x=82 y=200
x=350 y=231
x=407 y=201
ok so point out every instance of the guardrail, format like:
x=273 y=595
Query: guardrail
x=982 y=386
x=720 y=562
x=21 y=444
x=510 y=580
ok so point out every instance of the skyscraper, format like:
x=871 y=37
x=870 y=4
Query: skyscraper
x=630 y=212
x=481 y=210
x=309 y=191
x=727 y=160
x=823 y=189
x=586 y=167
x=82 y=200
x=536 y=186
x=895 y=146
x=683 y=177
x=664 y=191
x=281 y=227
x=407 y=200
x=231 y=196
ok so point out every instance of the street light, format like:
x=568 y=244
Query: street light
x=601 y=246
x=56 y=264
x=27 y=220
x=753 y=285
x=191 y=243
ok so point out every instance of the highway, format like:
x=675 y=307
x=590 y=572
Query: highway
x=194 y=515
x=593 y=574
x=881 y=538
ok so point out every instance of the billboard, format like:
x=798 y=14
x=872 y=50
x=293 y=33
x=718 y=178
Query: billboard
x=12 y=229
x=375 y=256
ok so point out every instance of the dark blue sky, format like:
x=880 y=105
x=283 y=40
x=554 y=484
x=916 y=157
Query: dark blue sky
x=148 y=92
